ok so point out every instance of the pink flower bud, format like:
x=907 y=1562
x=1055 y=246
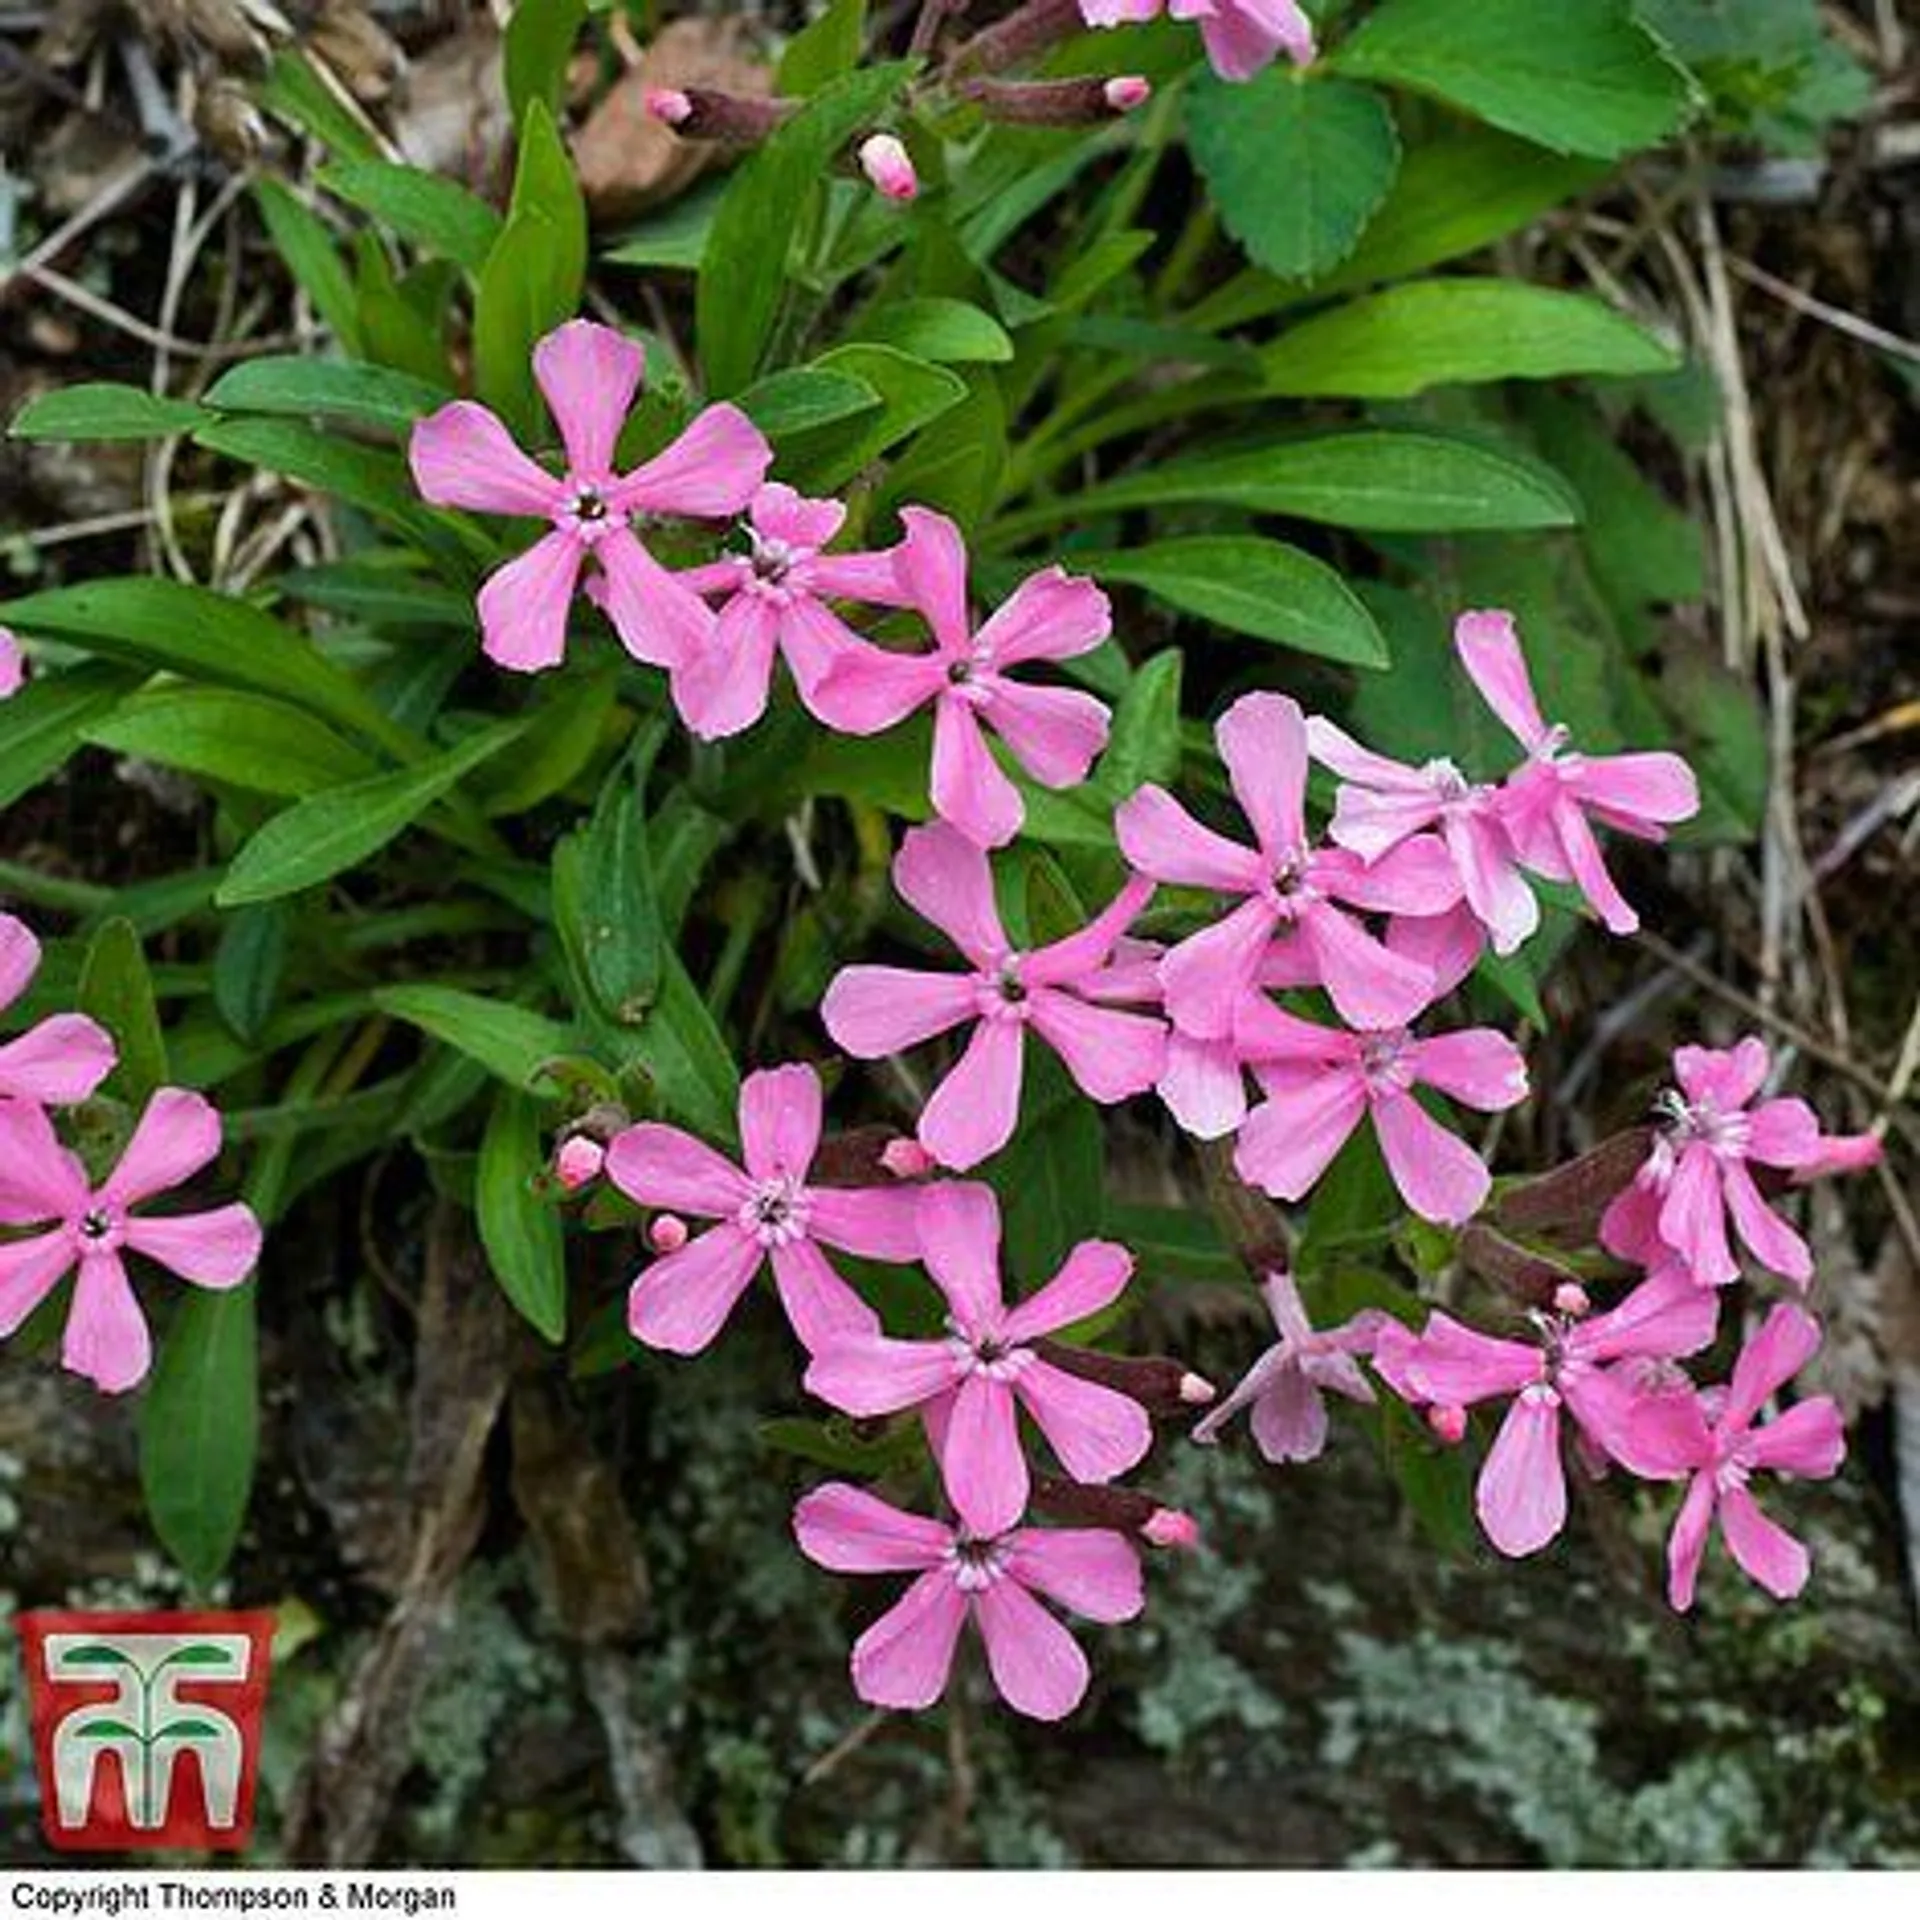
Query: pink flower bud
x=1571 y=1298
x=13 y=665
x=578 y=1162
x=667 y=1233
x=907 y=1159
x=1448 y=1423
x=668 y=105
x=886 y=162
x=1125 y=91
x=1169 y=1527
x=1195 y=1391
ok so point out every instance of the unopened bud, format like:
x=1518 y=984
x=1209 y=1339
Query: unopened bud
x=1055 y=103
x=886 y=162
x=1164 y=1386
x=907 y=1159
x=668 y=105
x=578 y=1162
x=667 y=1233
x=1449 y=1424
x=708 y=113
x=1570 y=1297
x=1126 y=91
x=1169 y=1527
x=1019 y=36
x=1568 y=1202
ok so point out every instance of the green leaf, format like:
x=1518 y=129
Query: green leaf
x=216 y=733
x=1429 y=333
x=519 y=1226
x=837 y=1445
x=1379 y=481
x=302 y=240
x=803 y=398
x=1295 y=166
x=534 y=275
x=1145 y=740
x=1256 y=586
x=513 y=1043
x=675 y=236
x=1052 y=1179
x=604 y=906
x=343 y=389
x=539 y=43
x=247 y=968
x=336 y=829
x=117 y=990
x=950 y=332
x=828 y=46
x=48 y=719
x=744 y=269
x=199 y=1429
x=200 y=635
x=295 y=91
x=433 y=212
x=1589 y=80
x=912 y=392
x=565 y=732
x=382 y=596
x=104 y=410
x=683 y=1053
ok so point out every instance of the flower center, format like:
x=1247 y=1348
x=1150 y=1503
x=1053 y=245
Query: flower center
x=775 y=1213
x=1003 y=995
x=1702 y=1121
x=96 y=1224
x=976 y=1564
x=1386 y=1058
x=991 y=1354
x=772 y=559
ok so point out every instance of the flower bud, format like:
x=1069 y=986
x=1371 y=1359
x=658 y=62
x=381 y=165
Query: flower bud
x=578 y=1162
x=1126 y=91
x=1169 y=1527
x=1570 y=1297
x=667 y=1233
x=906 y=1159
x=1449 y=1424
x=13 y=664
x=1056 y=103
x=1166 y=1387
x=1568 y=1202
x=668 y=105
x=887 y=164
x=1119 y=1509
x=708 y=113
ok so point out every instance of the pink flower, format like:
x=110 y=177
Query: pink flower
x=13 y=664
x=1382 y=804
x=886 y=162
x=778 y=593
x=1284 y=1386
x=1522 y=1493
x=1241 y=36
x=904 y=1658
x=463 y=456
x=1055 y=733
x=766 y=1212
x=1282 y=880
x=1696 y=1174
x=1713 y=1437
x=970 y=1384
x=1546 y=801
x=578 y=1162
x=1320 y=1082
x=875 y=1011
x=66 y=1056
x=42 y=1184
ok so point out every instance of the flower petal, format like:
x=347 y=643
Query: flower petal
x=969 y=789
x=1788 y=1338
x=1478 y=1067
x=1162 y=839
x=874 y=1011
x=19 y=958
x=780 y=1121
x=218 y=1248
x=1209 y=975
x=948 y=882
x=1289 y=1418
x=1036 y=1663
x=1069 y=961
x=1687 y=1545
x=1263 y=742
x=525 y=605
x=903 y=1659
x=1203 y=1086
x=1771 y=1240
x=1489 y=649
x=1589 y=870
x=178 y=1134
x=1056 y=733
x=1289 y=1141
x=1784 y=1133
x=1088 y=1570
x=661 y=1166
x=1639 y=793
x=1112 y=1055
x=106 y=1340
x=1439 y=1176
x=980 y=1457
x=931 y=564
x=849 y=1530
x=1765 y=1550
x=869 y=689
x=960 y=1244
x=720 y=688
x=1808 y=1440
x=29 y=1271
x=973 y=1111
x=1455 y=1366
x=1693 y=1220
x=1370 y=985
x=709 y=472
x=39 y=1178
x=59 y=1062
x=1521 y=1497
x=682 y=1301
x=660 y=621
x=1091 y=1278
x=1097 y=1433
x=1050 y=615
x=463 y=456
x=876 y=1223
x=821 y=1307
x=868 y=1375
x=589 y=375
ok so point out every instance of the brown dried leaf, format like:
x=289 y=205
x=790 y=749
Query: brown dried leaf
x=453 y=115
x=359 y=50
x=628 y=161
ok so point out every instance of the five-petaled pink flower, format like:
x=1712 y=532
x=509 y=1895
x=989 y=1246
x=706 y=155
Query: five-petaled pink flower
x=766 y=1212
x=778 y=592
x=904 y=1658
x=1284 y=1386
x=463 y=456
x=1241 y=37
x=1696 y=1174
x=1055 y=733
x=62 y=1059
x=1282 y=880
x=1320 y=1082
x=1712 y=1437
x=1545 y=802
x=875 y=1011
x=970 y=1384
x=1522 y=1493
x=1382 y=803
x=43 y=1185
x=13 y=664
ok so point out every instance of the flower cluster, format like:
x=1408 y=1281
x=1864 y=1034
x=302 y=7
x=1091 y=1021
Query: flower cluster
x=1309 y=964
x=56 y=1216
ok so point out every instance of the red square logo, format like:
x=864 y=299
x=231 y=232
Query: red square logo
x=146 y=1726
